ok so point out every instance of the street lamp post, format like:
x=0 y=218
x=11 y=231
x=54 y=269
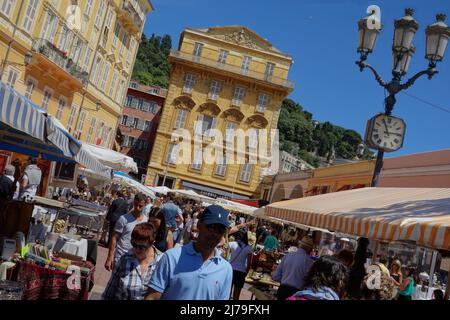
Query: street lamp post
x=437 y=36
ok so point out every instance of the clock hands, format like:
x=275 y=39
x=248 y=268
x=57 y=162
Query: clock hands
x=385 y=125
x=395 y=134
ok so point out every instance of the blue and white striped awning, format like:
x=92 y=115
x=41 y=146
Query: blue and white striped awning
x=27 y=128
x=60 y=137
x=83 y=155
x=86 y=159
x=20 y=113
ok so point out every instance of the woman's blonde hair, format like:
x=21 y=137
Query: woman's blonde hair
x=398 y=264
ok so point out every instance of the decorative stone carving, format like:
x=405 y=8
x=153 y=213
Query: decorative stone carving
x=184 y=102
x=233 y=115
x=209 y=109
x=241 y=38
x=257 y=121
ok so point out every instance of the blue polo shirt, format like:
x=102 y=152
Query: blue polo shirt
x=171 y=210
x=181 y=274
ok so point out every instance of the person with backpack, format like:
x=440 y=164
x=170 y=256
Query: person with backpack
x=241 y=255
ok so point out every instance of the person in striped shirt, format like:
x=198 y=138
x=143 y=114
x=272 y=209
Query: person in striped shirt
x=131 y=276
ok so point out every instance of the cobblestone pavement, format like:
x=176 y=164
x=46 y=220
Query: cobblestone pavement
x=101 y=277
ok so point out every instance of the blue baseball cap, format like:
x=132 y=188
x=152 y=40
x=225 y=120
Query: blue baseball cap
x=215 y=214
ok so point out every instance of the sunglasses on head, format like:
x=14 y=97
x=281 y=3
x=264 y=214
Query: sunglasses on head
x=140 y=246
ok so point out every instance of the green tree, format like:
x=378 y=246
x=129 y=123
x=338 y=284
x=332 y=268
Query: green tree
x=299 y=136
x=152 y=66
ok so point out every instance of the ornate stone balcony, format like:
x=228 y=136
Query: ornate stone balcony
x=59 y=58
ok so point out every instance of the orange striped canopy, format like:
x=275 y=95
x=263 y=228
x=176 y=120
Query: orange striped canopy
x=421 y=215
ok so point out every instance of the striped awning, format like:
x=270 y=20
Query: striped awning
x=20 y=113
x=27 y=128
x=84 y=158
x=60 y=137
x=26 y=125
x=420 y=215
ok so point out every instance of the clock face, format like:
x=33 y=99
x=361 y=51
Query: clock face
x=387 y=133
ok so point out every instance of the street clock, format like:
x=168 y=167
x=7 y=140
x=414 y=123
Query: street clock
x=385 y=133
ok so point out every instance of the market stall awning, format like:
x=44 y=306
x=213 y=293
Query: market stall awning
x=116 y=160
x=84 y=156
x=234 y=206
x=160 y=189
x=191 y=194
x=421 y=215
x=129 y=181
x=27 y=128
x=261 y=214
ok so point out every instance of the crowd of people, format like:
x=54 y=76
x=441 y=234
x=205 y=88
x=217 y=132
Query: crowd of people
x=171 y=248
x=20 y=182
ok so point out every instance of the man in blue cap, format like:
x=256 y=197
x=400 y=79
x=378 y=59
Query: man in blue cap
x=197 y=270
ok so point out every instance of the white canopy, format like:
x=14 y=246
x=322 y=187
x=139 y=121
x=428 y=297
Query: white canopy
x=160 y=189
x=122 y=177
x=111 y=158
x=191 y=194
x=234 y=206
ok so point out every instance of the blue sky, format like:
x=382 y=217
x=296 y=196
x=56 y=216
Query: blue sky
x=321 y=35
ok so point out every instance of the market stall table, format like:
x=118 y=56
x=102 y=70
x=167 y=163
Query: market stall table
x=41 y=282
x=72 y=246
x=264 y=282
x=260 y=294
x=88 y=223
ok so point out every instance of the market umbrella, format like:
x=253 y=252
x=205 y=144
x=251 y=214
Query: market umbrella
x=116 y=160
x=160 y=189
x=129 y=181
x=191 y=194
x=234 y=206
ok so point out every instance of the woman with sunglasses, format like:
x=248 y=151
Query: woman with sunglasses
x=131 y=276
x=163 y=235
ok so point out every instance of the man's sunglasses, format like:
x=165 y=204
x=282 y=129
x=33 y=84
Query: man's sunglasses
x=140 y=246
x=215 y=227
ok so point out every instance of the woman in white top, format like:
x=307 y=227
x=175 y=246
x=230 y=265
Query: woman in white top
x=241 y=255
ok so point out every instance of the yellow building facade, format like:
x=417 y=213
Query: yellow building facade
x=221 y=78
x=341 y=177
x=83 y=53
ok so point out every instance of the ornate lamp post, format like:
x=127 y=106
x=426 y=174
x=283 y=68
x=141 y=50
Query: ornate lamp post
x=384 y=132
x=437 y=36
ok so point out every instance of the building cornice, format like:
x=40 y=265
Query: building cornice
x=341 y=177
x=417 y=171
x=285 y=57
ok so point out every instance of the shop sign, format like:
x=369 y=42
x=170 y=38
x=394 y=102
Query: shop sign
x=445 y=264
